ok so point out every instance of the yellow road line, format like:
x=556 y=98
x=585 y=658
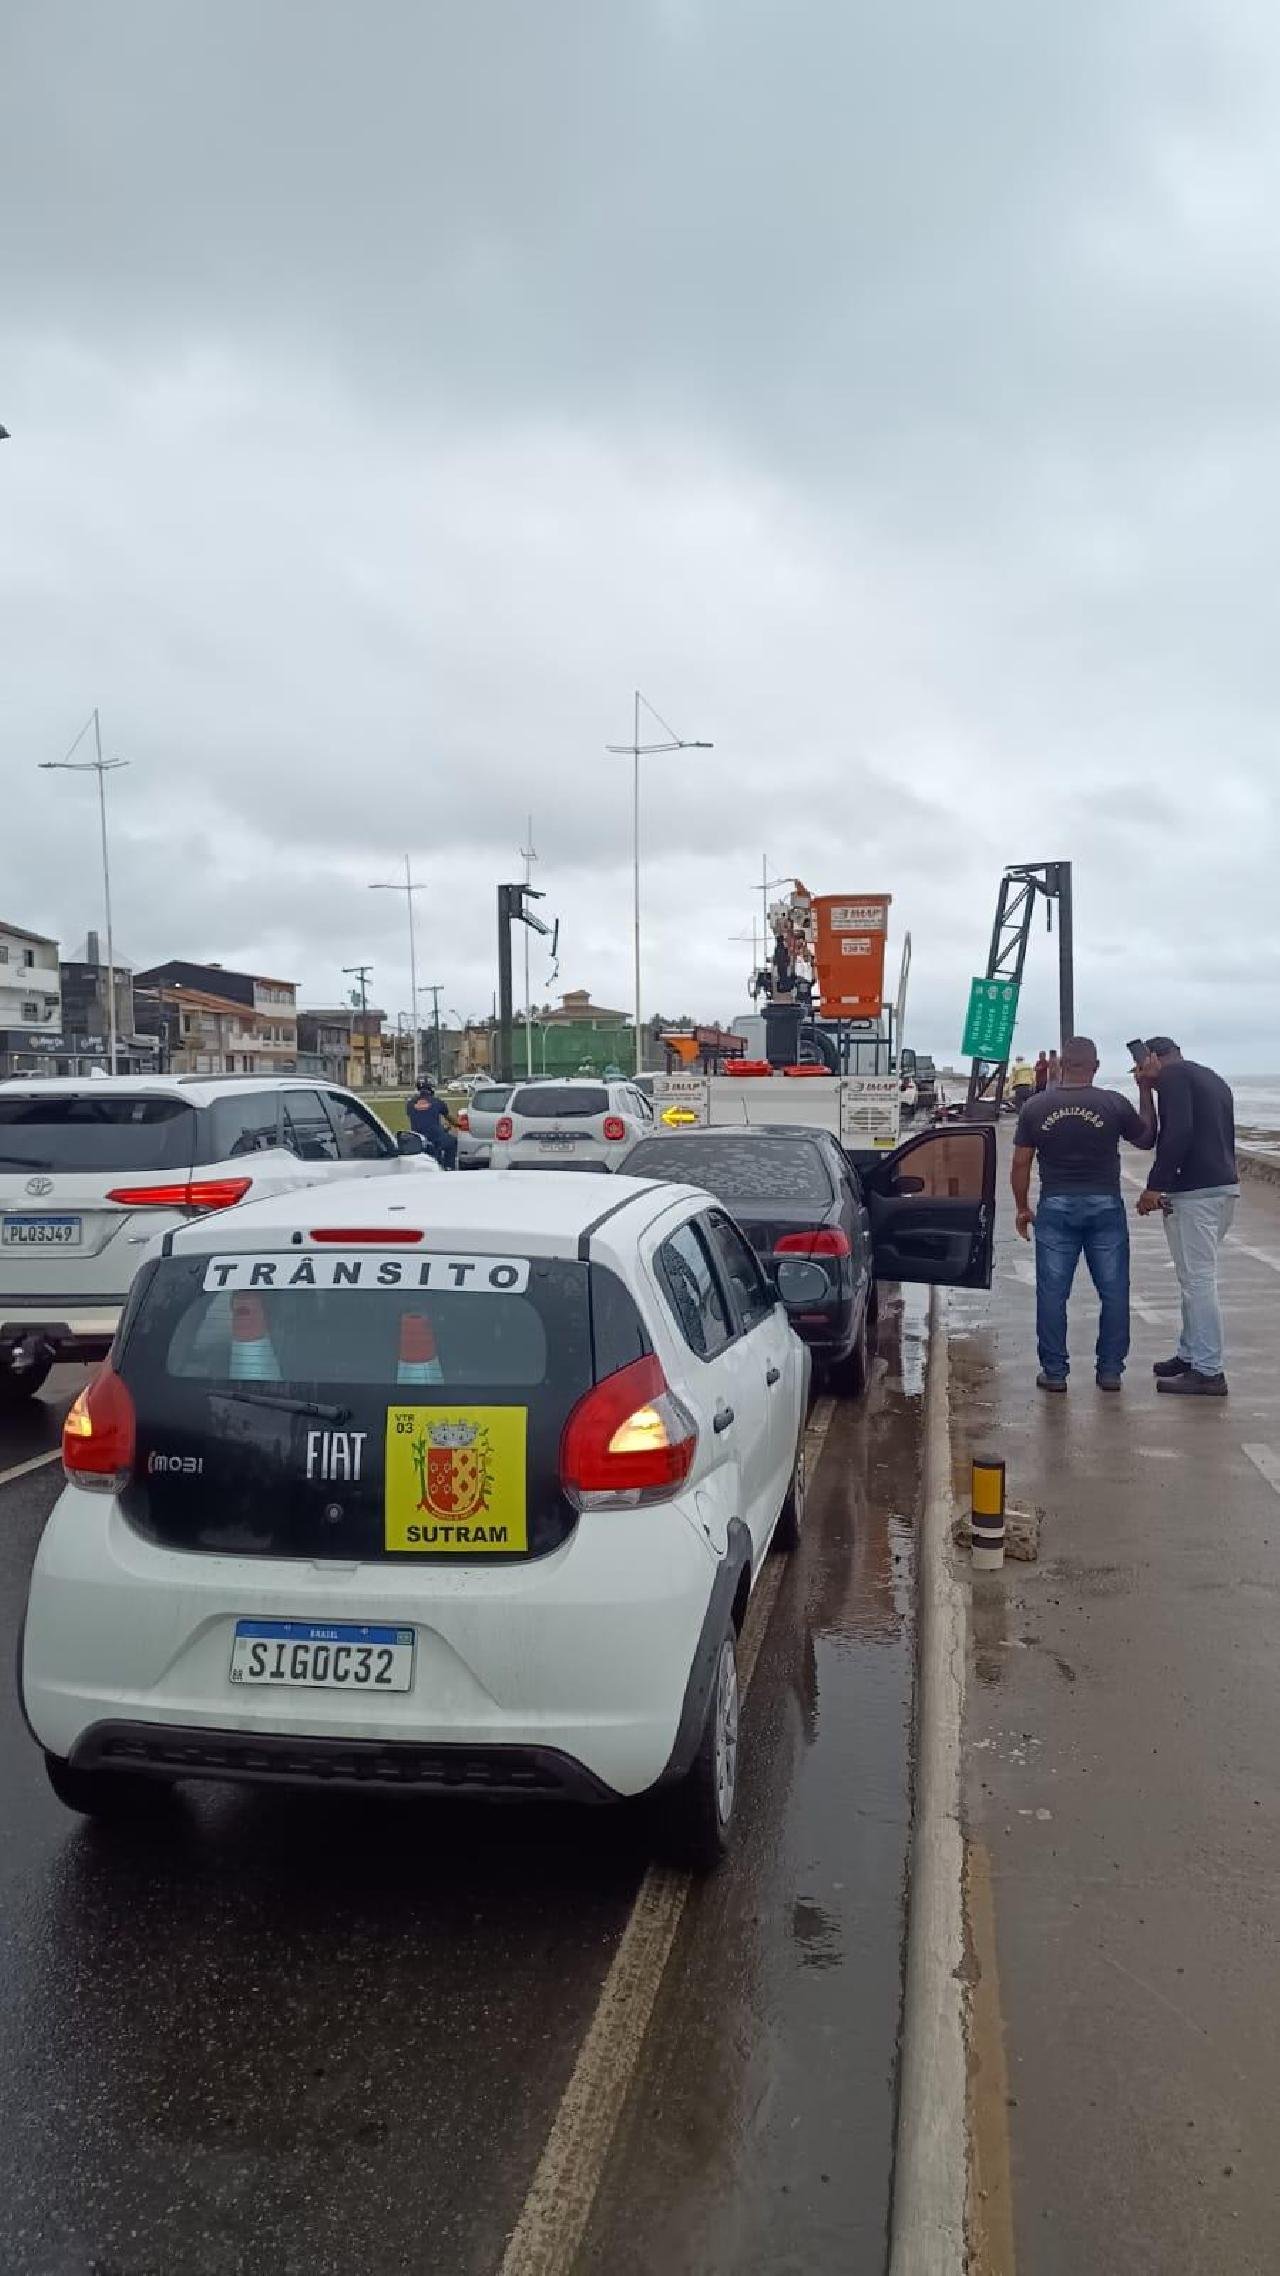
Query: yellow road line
x=555 y=2213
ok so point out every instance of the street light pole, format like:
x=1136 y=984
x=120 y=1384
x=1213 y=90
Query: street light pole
x=409 y=889
x=637 y=751
x=102 y=768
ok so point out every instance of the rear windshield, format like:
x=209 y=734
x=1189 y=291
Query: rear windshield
x=490 y=1102
x=352 y=1336
x=560 y=1102
x=364 y=1414
x=84 y=1131
x=737 y=1169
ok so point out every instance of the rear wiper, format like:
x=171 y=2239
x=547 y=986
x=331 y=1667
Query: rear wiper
x=288 y=1406
x=22 y=1162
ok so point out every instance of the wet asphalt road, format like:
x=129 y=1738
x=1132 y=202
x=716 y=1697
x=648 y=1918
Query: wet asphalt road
x=302 y=2035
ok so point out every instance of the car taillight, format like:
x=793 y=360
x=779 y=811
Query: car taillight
x=377 y=1236
x=614 y=1126
x=822 y=1241
x=462 y=1119
x=98 y=1434
x=629 y=1441
x=503 y=1128
x=193 y=1193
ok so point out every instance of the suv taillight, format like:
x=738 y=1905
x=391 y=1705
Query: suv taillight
x=629 y=1441
x=193 y=1193
x=823 y=1241
x=99 y=1433
x=503 y=1128
x=462 y=1120
x=614 y=1126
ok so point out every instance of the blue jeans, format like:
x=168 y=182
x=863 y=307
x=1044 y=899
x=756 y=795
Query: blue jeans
x=1197 y=1225
x=1067 y=1223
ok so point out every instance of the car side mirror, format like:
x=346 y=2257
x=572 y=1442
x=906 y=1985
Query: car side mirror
x=908 y=1184
x=801 y=1282
x=410 y=1142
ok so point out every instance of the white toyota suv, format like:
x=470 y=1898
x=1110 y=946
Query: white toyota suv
x=577 y=1124
x=469 y=1499
x=91 y=1172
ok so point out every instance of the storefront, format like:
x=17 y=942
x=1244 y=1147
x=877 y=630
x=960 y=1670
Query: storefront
x=26 y=1051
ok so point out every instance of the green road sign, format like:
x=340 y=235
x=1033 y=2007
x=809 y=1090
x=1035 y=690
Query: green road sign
x=988 y=1029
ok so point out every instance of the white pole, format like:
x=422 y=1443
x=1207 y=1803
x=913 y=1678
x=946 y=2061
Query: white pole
x=106 y=887
x=636 y=864
x=528 y=1009
x=413 y=968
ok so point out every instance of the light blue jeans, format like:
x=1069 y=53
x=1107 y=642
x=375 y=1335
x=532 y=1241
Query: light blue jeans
x=1197 y=1225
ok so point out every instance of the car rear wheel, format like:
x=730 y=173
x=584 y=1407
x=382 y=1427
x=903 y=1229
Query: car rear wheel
x=787 y=1531
x=698 y=1814
x=852 y=1374
x=105 y=1793
x=17 y=1386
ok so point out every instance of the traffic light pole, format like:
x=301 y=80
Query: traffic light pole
x=513 y=908
x=508 y=903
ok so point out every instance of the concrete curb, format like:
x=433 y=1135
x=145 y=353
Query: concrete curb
x=927 y=2222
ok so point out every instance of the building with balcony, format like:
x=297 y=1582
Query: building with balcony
x=354 y=1046
x=30 y=1002
x=219 y=1022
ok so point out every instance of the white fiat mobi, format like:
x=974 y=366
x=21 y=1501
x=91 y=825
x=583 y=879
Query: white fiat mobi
x=467 y=1499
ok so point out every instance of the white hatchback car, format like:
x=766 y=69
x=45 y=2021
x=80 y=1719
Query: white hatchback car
x=92 y=1172
x=471 y=1501
x=581 y=1123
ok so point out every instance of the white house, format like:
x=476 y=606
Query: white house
x=30 y=999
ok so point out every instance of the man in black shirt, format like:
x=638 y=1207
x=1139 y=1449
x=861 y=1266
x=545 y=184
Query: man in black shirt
x=1076 y=1130
x=1193 y=1180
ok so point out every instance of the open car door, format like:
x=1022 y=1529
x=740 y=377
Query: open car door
x=932 y=1206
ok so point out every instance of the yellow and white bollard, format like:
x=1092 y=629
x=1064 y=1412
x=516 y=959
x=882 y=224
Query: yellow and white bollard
x=986 y=1515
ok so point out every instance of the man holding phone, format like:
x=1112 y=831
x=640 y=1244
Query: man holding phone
x=1075 y=1132
x=1194 y=1182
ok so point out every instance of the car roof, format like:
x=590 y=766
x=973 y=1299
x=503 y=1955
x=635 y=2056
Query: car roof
x=504 y=1211
x=694 y=1136
x=160 y=1086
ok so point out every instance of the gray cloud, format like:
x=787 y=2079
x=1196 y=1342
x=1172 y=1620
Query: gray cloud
x=888 y=392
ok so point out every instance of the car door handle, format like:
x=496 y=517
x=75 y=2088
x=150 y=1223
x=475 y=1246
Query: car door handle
x=772 y=1375
x=723 y=1419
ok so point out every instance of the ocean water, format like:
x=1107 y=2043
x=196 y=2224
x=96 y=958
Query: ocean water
x=1257 y=1099
x=1257 y=1102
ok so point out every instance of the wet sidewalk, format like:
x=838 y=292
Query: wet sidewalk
x=1122 y=1784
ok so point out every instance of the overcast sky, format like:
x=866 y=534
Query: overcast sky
x=889 y=391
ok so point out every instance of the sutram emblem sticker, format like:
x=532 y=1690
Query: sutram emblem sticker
x=456 y=1479
x=454 y=1469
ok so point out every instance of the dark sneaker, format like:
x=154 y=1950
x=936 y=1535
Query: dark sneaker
x=1193 y=1386
x=1165 y=1368
x=1050 y=1382
x=1108 y=1382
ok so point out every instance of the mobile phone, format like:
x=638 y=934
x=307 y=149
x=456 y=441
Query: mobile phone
x=1137 y=1050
